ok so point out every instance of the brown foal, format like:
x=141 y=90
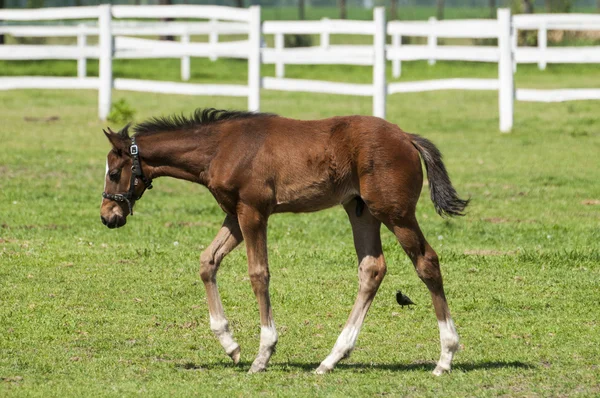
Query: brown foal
x=258 y=164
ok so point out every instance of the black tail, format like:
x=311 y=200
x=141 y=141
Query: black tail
x=443 y=194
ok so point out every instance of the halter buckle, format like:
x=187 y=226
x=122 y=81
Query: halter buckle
x=134 y=150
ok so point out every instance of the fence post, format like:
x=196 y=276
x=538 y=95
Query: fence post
x=432 y=40
x=379 y=85
x=324 y=42
x=542 y=44
x=254 y=59
x=185 y=60
x=81 y=44
x=396 y=63
x=213 y=38
x=105 y=80
x=279 y=46
x=506 y=84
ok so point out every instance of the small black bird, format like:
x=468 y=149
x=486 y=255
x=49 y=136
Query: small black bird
x=403 y=299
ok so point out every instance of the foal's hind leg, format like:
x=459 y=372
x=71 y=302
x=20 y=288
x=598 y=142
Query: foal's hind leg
x=226 y=240
x=426 y=264
x=371 y=270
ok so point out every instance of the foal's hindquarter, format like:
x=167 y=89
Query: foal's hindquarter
x=299 y=166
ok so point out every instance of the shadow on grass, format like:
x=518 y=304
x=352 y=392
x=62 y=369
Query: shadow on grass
x=395 y=367
x=406 y=367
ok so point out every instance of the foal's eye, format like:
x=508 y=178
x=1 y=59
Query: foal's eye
x=114 y=175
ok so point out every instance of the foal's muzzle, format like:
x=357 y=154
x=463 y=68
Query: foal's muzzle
x=113 y=221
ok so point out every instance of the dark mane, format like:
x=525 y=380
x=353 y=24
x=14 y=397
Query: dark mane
x=200 y=117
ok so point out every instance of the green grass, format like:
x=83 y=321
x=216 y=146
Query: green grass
x=88 y=311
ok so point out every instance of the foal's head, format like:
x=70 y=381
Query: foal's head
x=124 y=182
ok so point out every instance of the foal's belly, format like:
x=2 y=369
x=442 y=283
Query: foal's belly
x=312 y=197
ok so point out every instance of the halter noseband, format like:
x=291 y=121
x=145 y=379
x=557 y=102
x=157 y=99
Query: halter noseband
x=136 y=173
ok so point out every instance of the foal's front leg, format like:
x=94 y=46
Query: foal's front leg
x=254 y=229
x=226 y=240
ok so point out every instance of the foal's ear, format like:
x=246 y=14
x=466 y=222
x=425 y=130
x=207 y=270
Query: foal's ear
x=118 y=141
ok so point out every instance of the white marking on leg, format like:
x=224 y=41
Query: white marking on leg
x=342 y=348
x=449 y=344
x=268 y=340
x=220 y=328
x=268 y=336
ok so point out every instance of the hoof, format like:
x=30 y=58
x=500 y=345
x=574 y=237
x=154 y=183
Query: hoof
x=321 y=370
x=256 y=369
x=235 y=355
x=438 y=371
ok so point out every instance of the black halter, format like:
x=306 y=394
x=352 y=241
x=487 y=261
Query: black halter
x=136 y=173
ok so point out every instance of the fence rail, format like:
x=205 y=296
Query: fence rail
x=50 y=14
x=457 y=28
x=183 y=11
x=333 y=55
x=137 y=28
x=43 y=82
x=443 y=84
x=559 y=95
x=325 y=25
x=114 y=41
x=557 y=21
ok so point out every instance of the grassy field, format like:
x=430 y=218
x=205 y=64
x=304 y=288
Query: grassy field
x=88 y=311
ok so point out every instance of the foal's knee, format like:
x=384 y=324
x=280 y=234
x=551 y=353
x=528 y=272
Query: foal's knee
x=372 y=270
x=208 y=266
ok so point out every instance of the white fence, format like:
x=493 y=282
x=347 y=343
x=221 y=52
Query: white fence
x=506 y=51
x=104 y=23
x=246 y=21
x=487 y=29
x=542 y=54
x=326 y=54
x=502 y=54
x=434 y=30
x=145 y=49
x=377 y=53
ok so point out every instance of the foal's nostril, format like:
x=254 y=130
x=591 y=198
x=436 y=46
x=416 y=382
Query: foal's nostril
x=104 y=221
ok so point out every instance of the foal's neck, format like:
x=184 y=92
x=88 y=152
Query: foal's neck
x=184 y=155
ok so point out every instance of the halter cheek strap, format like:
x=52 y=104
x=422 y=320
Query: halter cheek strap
x=136 y=174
